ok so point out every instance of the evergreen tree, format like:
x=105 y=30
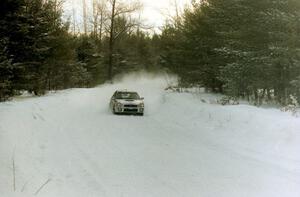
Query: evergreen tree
x=5 y=75
x=10 y=15
x=239 y=47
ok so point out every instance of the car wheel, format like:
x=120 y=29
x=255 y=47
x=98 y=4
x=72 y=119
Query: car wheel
x=114 y=111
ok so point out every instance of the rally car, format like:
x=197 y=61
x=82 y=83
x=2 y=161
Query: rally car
x=127 y=102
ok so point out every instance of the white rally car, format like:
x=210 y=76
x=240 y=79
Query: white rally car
x=127 y=102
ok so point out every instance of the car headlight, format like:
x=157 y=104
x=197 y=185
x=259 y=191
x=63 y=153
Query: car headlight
x=119 y=105
x=141 y=105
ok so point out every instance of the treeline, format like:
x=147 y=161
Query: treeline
x=242 y=48
x=39 y=51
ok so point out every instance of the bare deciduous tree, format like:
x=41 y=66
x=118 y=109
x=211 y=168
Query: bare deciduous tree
x=74 y=20
x=119 y=9
x=102 y=12
x=99 y=18
x=84 y=16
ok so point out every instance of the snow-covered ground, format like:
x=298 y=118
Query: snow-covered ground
x=68 y=144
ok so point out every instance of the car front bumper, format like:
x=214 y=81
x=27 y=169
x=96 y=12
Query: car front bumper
x=129 y=110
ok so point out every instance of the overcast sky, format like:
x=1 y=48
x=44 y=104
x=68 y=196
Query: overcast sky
x=154 y=11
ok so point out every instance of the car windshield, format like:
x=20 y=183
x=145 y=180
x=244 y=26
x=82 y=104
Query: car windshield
x=127 y=95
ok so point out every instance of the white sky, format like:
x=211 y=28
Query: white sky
x=154 y=11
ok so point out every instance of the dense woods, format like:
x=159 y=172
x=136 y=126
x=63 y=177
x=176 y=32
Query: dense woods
x=241 y=48
x=39 y=51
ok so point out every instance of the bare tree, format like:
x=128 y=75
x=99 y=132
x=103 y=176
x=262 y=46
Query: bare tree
x=173 y=13
x=95 y=18
x=74 y=20
x=102 y=13
x=119 y=9
x=111 y=38
x=84 y=12
x=99 y=18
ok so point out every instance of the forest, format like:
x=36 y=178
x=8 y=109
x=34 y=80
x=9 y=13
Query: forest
x=239 y=48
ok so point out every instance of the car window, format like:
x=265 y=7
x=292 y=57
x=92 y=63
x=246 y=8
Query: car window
x=127 y=95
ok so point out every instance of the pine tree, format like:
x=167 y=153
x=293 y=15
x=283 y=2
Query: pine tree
x=5 y=75
x=10 y=15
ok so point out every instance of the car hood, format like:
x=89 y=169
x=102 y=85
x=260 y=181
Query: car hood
x=129 y=102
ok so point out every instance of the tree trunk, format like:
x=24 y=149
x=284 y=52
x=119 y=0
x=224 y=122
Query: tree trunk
x=111 y=41
x=269 y=95
x=101 y=29
x=84 y=17
x=256 y=97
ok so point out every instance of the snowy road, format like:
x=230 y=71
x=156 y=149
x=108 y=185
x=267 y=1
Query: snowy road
x=68 y=144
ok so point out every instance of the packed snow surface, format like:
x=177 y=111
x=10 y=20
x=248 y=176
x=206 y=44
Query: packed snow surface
x=69 y=144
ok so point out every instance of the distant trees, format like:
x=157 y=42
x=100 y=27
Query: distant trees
x=242 y=48
x=111 y=47
x=120 y=12
x=39 y=53
x=99 y=19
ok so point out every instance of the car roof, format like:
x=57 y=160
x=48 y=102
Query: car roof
x=126 y=91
